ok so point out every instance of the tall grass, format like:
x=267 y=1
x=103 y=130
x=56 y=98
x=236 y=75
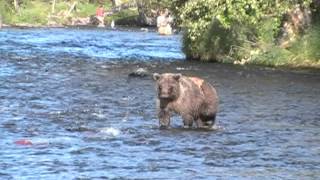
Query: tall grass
x=5 y=11
x=31 y=12
x=306 y=50
x=303 y=52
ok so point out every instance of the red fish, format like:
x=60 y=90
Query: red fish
x=23 y=142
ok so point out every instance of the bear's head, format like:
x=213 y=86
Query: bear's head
x=167 y=85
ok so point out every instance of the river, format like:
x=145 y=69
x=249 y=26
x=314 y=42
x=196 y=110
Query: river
x=67 y=92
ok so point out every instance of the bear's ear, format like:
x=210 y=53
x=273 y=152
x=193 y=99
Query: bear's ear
x=156 y=76
x=177 y=76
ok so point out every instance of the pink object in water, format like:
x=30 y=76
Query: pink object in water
x=23 y=142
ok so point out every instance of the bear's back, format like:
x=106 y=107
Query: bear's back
x=201 y=89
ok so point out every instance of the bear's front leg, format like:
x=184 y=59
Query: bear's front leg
x=187 y=120
x=164 y=119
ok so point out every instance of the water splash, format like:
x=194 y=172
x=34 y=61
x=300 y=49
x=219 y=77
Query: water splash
x=110 y=131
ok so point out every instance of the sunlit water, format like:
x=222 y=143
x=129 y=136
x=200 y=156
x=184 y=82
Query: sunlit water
x=68 y=92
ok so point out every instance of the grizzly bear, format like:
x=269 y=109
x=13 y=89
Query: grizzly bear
x=192 y=98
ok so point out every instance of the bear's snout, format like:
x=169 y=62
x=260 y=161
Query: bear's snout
x=164 y=95
x=165 y=92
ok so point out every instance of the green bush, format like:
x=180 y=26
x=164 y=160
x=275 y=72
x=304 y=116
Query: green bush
x=218 y=42
x=243 y=31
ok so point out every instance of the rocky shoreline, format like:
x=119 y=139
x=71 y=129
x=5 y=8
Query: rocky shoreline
x=107 y=28
x=118 y=27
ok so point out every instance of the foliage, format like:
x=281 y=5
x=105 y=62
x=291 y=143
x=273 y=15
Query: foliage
x=123 y=14
x=85 y=10
x=5 y=9
x=233 y=29
x=31 y=12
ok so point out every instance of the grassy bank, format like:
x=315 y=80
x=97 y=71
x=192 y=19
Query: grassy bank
x=39 y=13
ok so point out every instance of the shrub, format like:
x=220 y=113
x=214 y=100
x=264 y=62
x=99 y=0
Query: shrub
x=234 y=29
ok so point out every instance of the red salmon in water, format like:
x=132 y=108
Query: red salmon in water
x=24 y=142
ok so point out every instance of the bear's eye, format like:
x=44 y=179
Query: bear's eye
x=159 y=88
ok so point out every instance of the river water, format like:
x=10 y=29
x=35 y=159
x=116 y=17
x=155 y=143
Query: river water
x=66 y=92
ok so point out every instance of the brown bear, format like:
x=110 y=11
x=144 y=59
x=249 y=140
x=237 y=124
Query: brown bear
x=192 y=98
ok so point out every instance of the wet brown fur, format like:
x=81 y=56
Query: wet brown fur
x=191 y=97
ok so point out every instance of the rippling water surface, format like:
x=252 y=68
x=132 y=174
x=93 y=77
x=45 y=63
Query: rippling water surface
x=67 y=92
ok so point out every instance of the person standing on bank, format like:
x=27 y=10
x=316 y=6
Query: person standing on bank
x=0 y=21
x=100 y=15
x=163 y=23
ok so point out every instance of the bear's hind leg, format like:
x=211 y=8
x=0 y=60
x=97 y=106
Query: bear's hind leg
x=208 y=121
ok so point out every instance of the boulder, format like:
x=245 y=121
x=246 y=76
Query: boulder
x=293 y=24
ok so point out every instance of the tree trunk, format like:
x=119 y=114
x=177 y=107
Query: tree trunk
x=116 y=2
x=16 y=5
x=71 y=8
x=53 y=6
